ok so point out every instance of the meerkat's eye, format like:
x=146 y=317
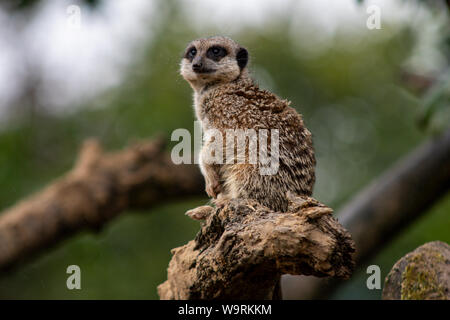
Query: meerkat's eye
x=190 y=54
x=216 y=53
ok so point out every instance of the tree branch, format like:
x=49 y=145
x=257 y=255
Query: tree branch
x=99 y=188
x=242 y=250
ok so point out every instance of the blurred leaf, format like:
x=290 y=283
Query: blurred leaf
x=436 y=102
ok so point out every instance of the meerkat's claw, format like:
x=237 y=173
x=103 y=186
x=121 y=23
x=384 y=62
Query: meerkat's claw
x=213 y=189
x=210 y=192
x=200 y=213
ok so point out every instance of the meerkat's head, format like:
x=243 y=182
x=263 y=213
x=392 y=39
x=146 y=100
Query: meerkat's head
x=213 y=60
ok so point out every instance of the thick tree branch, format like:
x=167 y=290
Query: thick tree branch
x=99 y=187
x=391 y=203
x=242 y=250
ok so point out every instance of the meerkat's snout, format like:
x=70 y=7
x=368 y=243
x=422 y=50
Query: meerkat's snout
x=197 y=66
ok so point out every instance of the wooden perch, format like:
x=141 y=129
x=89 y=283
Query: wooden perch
x=243 y=249
x=99 y=187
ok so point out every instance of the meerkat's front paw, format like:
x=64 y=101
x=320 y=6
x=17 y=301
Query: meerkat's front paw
x=213 y=188
x=200 y=213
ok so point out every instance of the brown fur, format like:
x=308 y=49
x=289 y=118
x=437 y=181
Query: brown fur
x=229 y=99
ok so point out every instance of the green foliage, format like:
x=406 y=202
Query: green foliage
x=434 y=115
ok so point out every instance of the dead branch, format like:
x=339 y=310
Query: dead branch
x=242 y=250
x=388 y=205
x=98 y=188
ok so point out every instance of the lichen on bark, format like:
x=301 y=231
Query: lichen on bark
x=423 y=274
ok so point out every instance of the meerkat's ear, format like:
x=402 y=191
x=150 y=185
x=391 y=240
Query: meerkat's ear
x=242 y=58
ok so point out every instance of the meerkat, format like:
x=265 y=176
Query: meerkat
x=225 y=97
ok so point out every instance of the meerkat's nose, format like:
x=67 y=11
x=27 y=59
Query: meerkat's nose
x=197 y=65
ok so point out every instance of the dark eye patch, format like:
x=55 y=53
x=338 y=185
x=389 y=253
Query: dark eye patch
x=242 y=58
x=216 y=53
x=190 y=53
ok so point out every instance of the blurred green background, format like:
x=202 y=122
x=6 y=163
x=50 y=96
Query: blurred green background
x=347 y=84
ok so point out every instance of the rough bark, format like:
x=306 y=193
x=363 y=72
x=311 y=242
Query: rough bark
x=243 y=248
x=423 y=274
x=98 y=188
x=388 y=205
